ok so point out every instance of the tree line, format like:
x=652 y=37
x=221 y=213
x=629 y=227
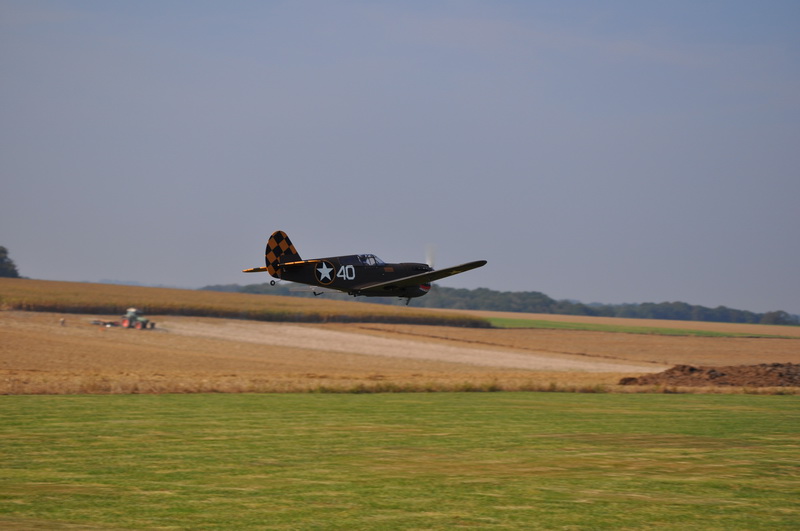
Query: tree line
x=537 y=302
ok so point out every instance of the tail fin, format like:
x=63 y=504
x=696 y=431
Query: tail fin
x=279 y=249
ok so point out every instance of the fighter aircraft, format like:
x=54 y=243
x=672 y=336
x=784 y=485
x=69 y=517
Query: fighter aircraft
x=357 y=274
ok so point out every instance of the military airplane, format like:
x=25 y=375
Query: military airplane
x=357 y=274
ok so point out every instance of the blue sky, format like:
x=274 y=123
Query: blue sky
x=600 y=151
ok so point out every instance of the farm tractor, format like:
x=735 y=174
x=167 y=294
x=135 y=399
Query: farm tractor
x=134 y=319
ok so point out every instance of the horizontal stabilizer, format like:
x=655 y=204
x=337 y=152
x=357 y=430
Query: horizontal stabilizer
x=301 y=262
x=255 y=270
x=280 y=266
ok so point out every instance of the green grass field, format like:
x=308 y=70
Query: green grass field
x=505 y=322
x=400 y=461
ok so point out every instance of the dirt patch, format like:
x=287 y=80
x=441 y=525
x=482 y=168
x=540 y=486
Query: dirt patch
x=762 y=375
x=354 y=341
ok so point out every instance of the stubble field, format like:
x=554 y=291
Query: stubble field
x=39 y=355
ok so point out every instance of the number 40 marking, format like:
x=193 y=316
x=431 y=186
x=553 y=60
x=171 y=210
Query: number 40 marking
x=348 y=272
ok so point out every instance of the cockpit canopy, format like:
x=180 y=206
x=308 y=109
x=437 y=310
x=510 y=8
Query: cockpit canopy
x=370 y=260
x=360 y=260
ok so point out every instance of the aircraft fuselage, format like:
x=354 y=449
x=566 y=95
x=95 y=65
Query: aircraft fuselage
x=349 y=273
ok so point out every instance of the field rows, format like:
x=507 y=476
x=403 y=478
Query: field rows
x=86 y=298
x=184 y=354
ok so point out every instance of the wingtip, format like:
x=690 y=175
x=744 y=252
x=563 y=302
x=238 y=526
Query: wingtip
x=476 y=264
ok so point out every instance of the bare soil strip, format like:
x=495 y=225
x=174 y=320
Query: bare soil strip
x=325 y=339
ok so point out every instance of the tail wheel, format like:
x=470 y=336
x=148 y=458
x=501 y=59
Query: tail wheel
x=126 y=323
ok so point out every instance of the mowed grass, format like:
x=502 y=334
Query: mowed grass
x=400 y=461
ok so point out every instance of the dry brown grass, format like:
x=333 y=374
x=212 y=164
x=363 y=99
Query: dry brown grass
x=38 y=356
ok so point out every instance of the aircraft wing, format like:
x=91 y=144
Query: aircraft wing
x=422 y=278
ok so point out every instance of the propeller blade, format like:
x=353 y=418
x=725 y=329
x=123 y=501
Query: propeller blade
x=430 y=254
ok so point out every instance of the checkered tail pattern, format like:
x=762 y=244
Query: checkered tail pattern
x=279 y=250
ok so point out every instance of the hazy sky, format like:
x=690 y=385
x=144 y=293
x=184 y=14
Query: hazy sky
x=616 y=151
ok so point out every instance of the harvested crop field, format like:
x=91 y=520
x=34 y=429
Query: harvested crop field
x=189 y=354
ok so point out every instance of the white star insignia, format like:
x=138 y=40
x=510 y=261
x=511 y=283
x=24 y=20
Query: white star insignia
x=324 y=272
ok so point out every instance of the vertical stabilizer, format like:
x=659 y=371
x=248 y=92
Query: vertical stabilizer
x=279 y=250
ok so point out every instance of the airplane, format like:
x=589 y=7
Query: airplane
x=357 y=275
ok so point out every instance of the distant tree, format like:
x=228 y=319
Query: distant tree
x=7 y=267
x=778 y=318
